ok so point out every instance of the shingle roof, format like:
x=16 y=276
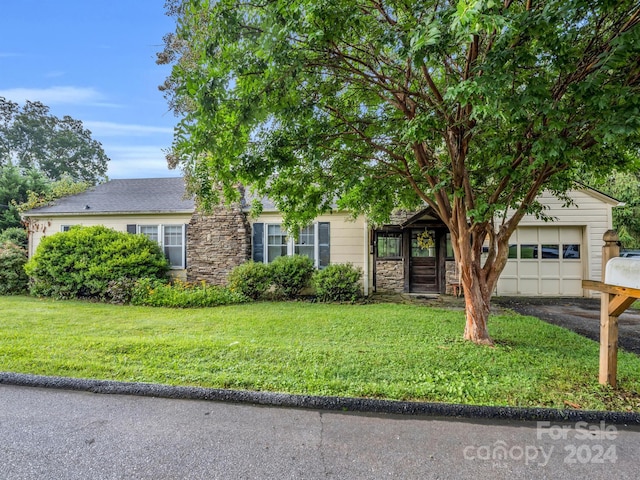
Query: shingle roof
x=136 y=195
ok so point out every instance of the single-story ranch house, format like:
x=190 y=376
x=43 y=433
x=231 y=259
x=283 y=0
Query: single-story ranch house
x=546 y=258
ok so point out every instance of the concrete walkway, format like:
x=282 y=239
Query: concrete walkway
x=61 y=434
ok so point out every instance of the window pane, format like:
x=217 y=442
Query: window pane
x=528 y=251
x=550 y=251
x=423 y=243
x=173 y=235
x=513 y=251
x=174 y=255
x=151 y=232
x=173 y=246
x=571 y=251
x=276 y=242
x=305 y=244
x=389 y=245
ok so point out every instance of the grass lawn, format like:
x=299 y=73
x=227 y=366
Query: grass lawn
x=403 y=352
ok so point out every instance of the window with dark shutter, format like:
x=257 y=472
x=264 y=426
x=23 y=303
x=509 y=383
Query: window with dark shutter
x=324 y=249
x=132 y=229
x=257 y=250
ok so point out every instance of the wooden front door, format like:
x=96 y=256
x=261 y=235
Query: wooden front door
x=423 y=262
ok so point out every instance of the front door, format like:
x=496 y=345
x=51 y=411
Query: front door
x=423 y=264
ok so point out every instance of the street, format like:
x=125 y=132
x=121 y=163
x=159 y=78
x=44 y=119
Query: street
x=59 y=434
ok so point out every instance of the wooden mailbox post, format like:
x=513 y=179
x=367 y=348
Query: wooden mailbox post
x=614 y=300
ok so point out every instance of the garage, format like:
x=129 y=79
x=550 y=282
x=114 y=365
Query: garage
x=544 y=261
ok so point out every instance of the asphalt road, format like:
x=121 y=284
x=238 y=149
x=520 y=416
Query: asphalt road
x=60 y=434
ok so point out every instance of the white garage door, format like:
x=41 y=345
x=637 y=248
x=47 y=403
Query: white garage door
x=544 y=261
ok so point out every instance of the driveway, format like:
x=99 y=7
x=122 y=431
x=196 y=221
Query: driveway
x=582 y=315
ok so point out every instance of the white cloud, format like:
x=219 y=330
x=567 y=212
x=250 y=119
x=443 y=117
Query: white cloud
x=112 y=129
x=143 y=161
x=57 y=96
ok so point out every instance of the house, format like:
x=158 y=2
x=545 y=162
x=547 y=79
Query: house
x=411 y=254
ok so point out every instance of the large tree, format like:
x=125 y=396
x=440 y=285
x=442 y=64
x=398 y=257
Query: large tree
x=33 y=139
x=472 y=107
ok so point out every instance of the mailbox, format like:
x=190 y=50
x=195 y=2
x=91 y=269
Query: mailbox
x=623 y=272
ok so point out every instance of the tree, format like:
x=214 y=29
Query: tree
x=472 y=107
x=14 y=189
x=31 y=138
x=624 y=186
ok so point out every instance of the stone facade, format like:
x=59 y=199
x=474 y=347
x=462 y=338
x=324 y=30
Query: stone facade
x=390 y=276
x=216 y=243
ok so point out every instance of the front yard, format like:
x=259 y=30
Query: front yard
x=404 y=352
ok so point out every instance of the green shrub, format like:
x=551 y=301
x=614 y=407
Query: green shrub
x=82 y=262
x=15 y=235
x=179 y=294
x=338 y=283
x=251 y=279
x=291 y=274
x=119 y=291
x=13 y=278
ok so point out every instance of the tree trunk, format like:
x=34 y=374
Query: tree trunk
x=477 y=307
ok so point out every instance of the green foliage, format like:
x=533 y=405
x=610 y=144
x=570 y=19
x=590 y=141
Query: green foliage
x=251 y=279
x=623 y=186
x=338 y=283
x=33 y=139
x=17 y=235
x=291 y=274
x=179 y=294
x=14 y=189
x=64 y=187
x=82 y=262
x=13 y=278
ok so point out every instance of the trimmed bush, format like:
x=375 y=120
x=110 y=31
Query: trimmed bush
x=251 y=279
x=338 y=283
x=179 y=294
x=13 y=279
x=81 y=262
x=291 y=274
x=15 y=235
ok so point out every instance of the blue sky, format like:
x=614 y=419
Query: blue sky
x=94 y=60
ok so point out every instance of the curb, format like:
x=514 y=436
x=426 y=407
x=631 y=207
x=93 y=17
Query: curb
x=343 y=404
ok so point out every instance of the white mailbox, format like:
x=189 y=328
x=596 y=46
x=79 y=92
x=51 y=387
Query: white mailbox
x=623 y=272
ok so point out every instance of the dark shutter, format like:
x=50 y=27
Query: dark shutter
x=257 y=251
x=323 y=244
x=132 y=229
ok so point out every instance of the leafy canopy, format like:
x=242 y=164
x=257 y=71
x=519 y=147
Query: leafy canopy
x=33 y=139
x=471 y=106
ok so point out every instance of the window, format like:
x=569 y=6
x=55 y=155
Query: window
x=513 y=251
x=571 y=251
x=65 y=228
x=306 y=243
x=151 y=232
x=389 y=245
x=276 y=242
x=171 y=239
x=271 y=241
x=528 y=251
